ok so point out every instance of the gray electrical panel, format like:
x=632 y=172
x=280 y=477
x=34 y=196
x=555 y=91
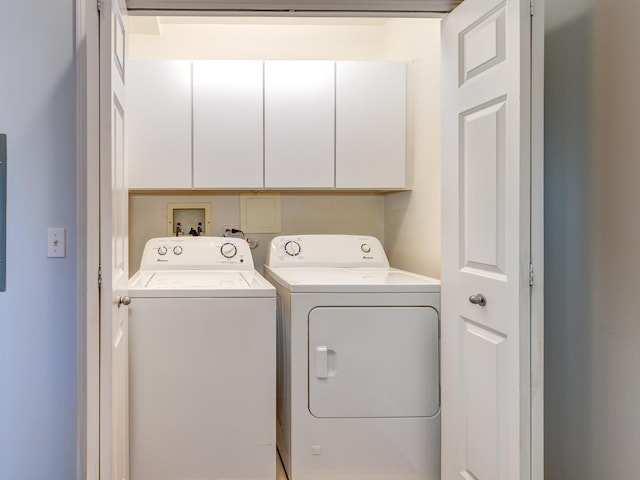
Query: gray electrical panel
x=3 y=212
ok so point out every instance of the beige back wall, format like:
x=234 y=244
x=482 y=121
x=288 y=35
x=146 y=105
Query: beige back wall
x=301 y=213
x=412 y=219
x=355 y=41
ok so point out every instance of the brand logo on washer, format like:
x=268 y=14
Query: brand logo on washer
x=364 y=257
x=161 y=260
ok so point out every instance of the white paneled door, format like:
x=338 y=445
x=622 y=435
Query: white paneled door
x=486 y=241
x=114 y=396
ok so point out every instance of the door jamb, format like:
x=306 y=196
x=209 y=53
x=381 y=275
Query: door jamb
x=88 y=227
x=537 y=240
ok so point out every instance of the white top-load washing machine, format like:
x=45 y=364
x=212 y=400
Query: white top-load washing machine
x=358 y=362
x=202 y=363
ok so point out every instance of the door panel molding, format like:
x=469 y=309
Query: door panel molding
x=482 y=176
x=483 y=429
x=483 y=44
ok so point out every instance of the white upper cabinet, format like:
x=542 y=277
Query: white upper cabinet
x=250 y=125
x=299 y=124
x=370 y=125
x=159 y=123
x=228 y=124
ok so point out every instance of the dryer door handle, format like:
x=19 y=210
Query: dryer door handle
x=322 y=362
x=326 y=362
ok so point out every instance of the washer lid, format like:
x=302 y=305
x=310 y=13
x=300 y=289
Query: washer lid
x=352 y=280
x=199 y=283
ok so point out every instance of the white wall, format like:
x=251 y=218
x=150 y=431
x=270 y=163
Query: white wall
x=412 y=219
x=592 y=245
x=216 y=39
x=38 y=344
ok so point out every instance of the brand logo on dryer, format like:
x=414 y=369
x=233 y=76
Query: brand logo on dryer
x=364 y=257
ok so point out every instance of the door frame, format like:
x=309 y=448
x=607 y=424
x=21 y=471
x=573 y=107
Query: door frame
x=88 y=223
x=88 y=227
x=537 y=239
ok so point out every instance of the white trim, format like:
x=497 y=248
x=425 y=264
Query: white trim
x=87 y=128
x=537 y=242
x=285 y=6
x=288 y=14
x=81 y=141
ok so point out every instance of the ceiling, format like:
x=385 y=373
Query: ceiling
x=152 y=24
x=271 y=20
x=297 y=7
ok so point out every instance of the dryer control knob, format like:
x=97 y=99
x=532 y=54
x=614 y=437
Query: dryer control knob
x=177 y=250
x=228 y=250
x=365 y=247
x=292 y=248
x=162 y=250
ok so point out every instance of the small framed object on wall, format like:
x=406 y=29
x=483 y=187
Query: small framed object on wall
x=260 y=213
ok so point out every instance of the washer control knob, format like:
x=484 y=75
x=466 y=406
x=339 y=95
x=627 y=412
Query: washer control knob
x=365 y=247
x=292 y=248
x=162 y=250
x=228 y=250
x=177 y=250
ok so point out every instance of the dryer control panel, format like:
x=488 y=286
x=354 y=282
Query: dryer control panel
x=197 y=253
x=326 y=251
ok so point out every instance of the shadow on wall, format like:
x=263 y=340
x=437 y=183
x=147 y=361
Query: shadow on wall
x=568 y=248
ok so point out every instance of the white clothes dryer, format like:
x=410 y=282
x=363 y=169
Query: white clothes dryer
x=201 y=363
x=358 y=362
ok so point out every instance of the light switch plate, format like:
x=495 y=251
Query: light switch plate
x=56 y=243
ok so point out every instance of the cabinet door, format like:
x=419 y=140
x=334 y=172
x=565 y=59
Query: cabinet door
x=159 y=129
x=370 y=125
x=227 y=124
x=299 y=124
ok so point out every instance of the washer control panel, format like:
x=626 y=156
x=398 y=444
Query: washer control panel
x=326 y=251
x=204 y=253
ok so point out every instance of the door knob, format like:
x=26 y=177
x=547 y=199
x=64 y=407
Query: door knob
x=124 y=301
x=478 y=299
